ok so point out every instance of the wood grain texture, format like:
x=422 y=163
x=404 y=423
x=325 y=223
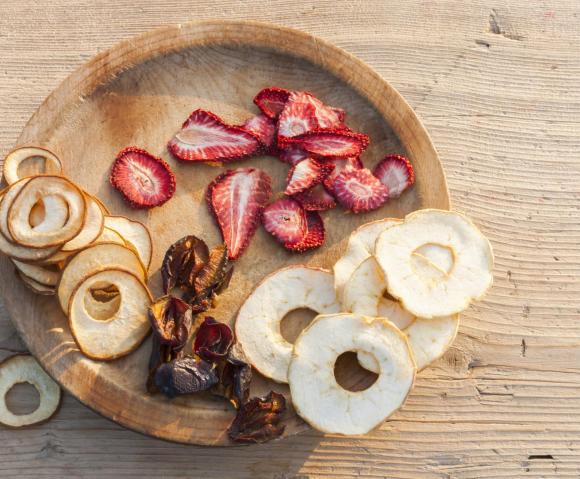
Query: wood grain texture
x=497 y=85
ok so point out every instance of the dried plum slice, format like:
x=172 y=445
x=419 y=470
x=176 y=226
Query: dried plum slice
x=171 y=320
x=259 y=419
x=182 y=263
x=185 y=376
x=213 y=340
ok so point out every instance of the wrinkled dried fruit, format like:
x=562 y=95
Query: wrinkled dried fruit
x=235 y=375
x=213 y=340
x=306 y=174
x=340 y=164
x=214 y=272
x=296 y=118
x=258 y=420
x=330 y=142
x=315 y=234
x=396 y=173
x=285 y=219
x=292 y=155
x=271 y=101
x=315 y=199
x=263 y=128
x=183 y=262
x=185 y=376
x=359 y=191
x=171 y=319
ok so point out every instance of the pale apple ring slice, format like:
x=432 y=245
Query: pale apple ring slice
x=8 y=196
x=35 y=286
x=23 y=368
x=92 y=228
x=135 y=233
x=321 y=401
x=428 y=338
x=432 y=296
x=36 y=189
x=93 y=259
x=41 y=274
x=258 y=322
x=19 y=155
x=125 y=330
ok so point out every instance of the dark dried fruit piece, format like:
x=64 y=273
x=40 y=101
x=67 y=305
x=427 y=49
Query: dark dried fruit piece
x=271 y=101
x=315 y=234
x=171 y=320
x=206 y=137
x=396 y=173
x=213 y=340
x=315 y=199
x=237 y=199
x=359 y=190
x=185 y=376
x=285 y=219
x=259 y=419
x=182 y=263
x=235 y=375
x=263 y=128
x=330 y=142
x=306 y=174
x=214 y=272
x=144 y=180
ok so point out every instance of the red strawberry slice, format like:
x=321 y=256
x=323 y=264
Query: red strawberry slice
x=326 y=116
x=338 y=142
x=237 y=199
x=296 y=118
x=305 y=174
x=396 y=173
x=206 y=137
x=315 y=199
x=285 y=219
x=315 y=234
x=263 y=128
x=271 y=101
x=359 y=190
x=144 y=180
x=292 y=155
x=339 y=165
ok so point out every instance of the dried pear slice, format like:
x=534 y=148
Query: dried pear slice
x=19 y=155
x=258 y=322
x=8 y=196
x=36 y=189
x=96 y=258
x=432 y=296
x=93 y=227
x=125 y=330
x=321 y=401
x=23 y=368
x=135 y=233
x=110 y=236
x=43 y=275
x=35 y=286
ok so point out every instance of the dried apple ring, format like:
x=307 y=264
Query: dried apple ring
x=432 y=296
x=44 y=275
x=36 y=189
x=258 y=321
x=19 y=155
x=92 y=228
x=135 y=233
x=23 y=368
x=321 y=401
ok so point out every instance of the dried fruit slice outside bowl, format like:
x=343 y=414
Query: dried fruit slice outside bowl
x=321 y=401
x=258 y=322
x=18 y=156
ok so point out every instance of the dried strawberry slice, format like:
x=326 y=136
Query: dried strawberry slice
x=315 y=199
x=271 y=101
x=296 y=118
x=359 y=190
x=340 y=164
x=306 y=174
x=396 y=173
x=330 y=142
x=326 y=116
x=144 y=180
x=237 y=199
x=263 y=128
x=315 y=234
x=285 y=219
x=292 y=155
x=206 y=137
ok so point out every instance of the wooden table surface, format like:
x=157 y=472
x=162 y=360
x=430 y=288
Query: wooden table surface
x=497 y=84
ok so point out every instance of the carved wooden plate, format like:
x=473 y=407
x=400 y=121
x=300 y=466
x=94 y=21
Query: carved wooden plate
x=138 y=93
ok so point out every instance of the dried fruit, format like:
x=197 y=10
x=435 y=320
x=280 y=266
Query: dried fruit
x=306 y=174
x=182 y=263
x=144 y=180
x=340 y=164
x=271 y=101
x=237 y=199
x=359 y=191
x=315 y=199
x=315 y=234
x=213 y=340
x=330 y=142
x=14 y=159
x=214 y=273
x=296 y=118
x=235 y=375
x=258 y=420
x=292 y=155
x=285 y=219
x=135 y=233
x=326 y=116
x=185 y=375
x=396 y=173
x=92 y=227
x=206 y=137
x=263 y=128
x=171 y=320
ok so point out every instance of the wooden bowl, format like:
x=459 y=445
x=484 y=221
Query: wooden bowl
x=138 y=93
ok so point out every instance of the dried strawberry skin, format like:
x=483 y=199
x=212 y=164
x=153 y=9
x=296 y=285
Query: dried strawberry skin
x=292 y=155
x=132 y=173
x=396 y=173
x=315 y=199
x=339 y=165
x=305 y=174
x=271 y=101
x=315 y=234
x=330 y=142
x=359 y=190
x=285 y=219
x=263 y=128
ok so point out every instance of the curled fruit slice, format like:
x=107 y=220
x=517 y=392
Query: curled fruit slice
x=213 y=340
x=285 y=219
x=271 y=101
x=259 y=419
x=136 y=233
x=185 y=376
x=444 y=293
x=92 y=227
x=396 y=173
x=48 y=276
x=306 y=174
x=35 y=286
x=258 y=322
x=321 y=401
x=124 y=331
x=18 y=156
x=263 y=128
x=23 y=368
x=171 y=320
x=144 y=180
x=182 y=263
x=315 y=234
x=332 y=143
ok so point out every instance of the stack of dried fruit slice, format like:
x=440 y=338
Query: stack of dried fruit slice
x=401 y=285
